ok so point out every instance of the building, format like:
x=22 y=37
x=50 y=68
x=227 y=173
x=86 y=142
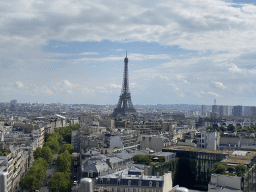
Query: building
x=154 y=142
x=237 y=110
x=215 y=109
x=224 y=110
x=225 y=183
x=204 y=111
x=209 y=140
x=249 y=111
x=134 y=180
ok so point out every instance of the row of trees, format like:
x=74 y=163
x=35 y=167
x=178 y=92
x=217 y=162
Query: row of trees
x=232 y=128
x=60 y=181
x=43 y=157
x=65 y=132
x=35 y=175
x=222 y=168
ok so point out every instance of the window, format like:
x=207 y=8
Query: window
x=129 y=182
x=157 y=184
x=140 y=183
x=118 y=182
x=108 y=181
x=101 y=181
x=150 y=183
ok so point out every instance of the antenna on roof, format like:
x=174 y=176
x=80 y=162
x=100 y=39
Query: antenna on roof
x=126 y=53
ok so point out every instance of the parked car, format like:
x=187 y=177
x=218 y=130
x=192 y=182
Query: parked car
x=75 y=182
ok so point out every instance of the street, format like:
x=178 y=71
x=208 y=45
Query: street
x=51 y=170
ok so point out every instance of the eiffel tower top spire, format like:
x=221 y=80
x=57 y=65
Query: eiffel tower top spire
x=125 y=106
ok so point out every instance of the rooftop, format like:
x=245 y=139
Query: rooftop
x=189 y=148
x=240 y=158
x=124 y=175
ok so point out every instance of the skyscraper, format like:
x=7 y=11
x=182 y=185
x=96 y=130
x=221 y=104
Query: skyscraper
x=237 y=110
x=124 y=106
x=203 y=113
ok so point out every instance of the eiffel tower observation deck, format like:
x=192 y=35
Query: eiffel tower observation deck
x=124 y=106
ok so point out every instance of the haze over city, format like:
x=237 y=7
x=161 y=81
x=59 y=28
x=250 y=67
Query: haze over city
x=179 y=51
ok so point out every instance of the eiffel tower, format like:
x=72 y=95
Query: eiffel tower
x=124 y=106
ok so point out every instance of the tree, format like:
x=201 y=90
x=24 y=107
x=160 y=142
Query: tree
x=67 y=147
x=29 y=182
x=231 y=169
x=220 y=168
x=41 y=162
x=137 y=158
x=47 y=154
x=55 y=136
x=231 y=128
x=53 y=144
x=35 y=176
x=37 y=152
x=240 y=169
x=161 y=159
x=60 y=182
x=64 y=162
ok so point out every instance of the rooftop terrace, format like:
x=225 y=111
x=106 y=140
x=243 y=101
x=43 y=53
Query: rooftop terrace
x=189 y=148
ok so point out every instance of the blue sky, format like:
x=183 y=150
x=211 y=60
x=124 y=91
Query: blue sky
x=184 y=51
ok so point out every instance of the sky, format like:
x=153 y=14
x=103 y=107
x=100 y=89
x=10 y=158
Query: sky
x=179 y=51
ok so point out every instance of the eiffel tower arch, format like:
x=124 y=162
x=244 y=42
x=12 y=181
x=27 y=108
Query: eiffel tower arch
x=124 y=106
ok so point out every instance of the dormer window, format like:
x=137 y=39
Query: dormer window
x=150 y=183
x=129 y=183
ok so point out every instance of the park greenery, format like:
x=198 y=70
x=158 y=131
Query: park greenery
x=223 y=168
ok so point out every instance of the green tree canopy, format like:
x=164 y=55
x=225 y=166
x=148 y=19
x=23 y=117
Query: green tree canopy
x=35 y=176
x=37 y=152
x=65 y=132
x=55 y=136
x=220 y=168
x=64 y=162
x=240 y=169
x=67 y=147
x=47 y=154
x=60 y=182
x=53 y=145
x=30 y=183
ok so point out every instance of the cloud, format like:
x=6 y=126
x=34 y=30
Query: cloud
x=235 y=69
x=119 y=50
x=216 y=84
x=115 y=86
x=213 y=94
x=220 y=34
x=19 y=84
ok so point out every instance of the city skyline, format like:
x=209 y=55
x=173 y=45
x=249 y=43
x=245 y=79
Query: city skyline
x=179 y=52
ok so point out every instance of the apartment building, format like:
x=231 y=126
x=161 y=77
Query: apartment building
x=134 y=180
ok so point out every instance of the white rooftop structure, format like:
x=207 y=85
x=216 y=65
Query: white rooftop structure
x=241 y=153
